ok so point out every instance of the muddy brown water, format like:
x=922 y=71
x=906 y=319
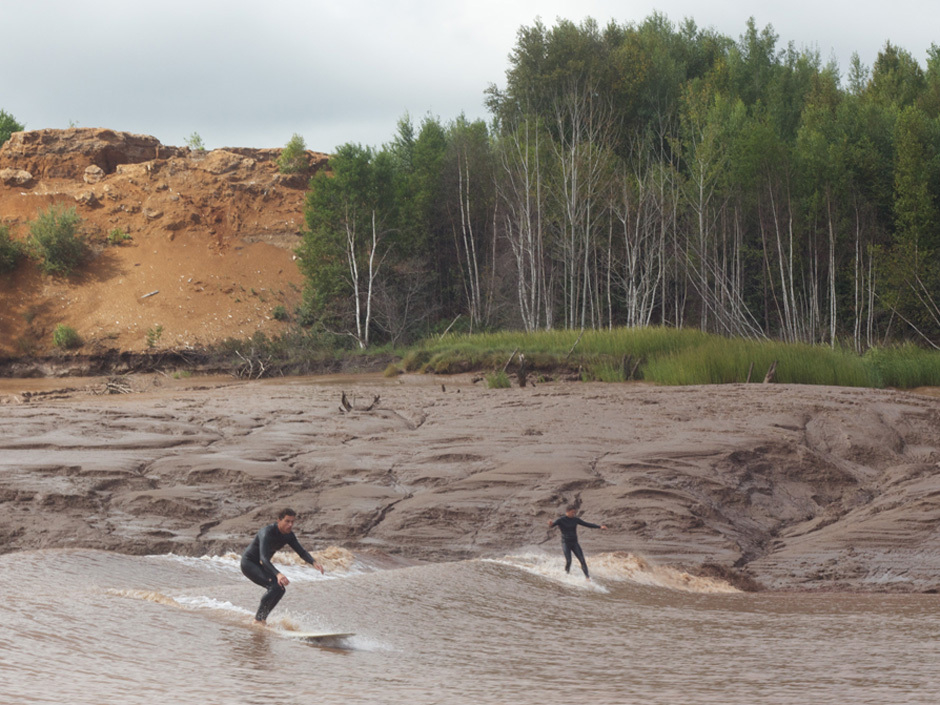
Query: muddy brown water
x=95 y=627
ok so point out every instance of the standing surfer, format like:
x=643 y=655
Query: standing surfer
x=257 y=566
x=569 y=536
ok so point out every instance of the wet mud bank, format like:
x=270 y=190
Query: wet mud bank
x=775 y=486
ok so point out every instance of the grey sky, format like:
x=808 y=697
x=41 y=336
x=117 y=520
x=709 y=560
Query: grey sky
x=250 y=74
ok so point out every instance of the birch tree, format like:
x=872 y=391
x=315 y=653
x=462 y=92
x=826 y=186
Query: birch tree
x=349 y=216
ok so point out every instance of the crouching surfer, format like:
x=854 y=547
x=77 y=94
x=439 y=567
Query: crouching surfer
x=257 y=566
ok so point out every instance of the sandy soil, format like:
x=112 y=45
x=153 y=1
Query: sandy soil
x=797 y=487
x=210 y=254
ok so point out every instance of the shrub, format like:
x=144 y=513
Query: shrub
x=293 y=158
x=498 y=380
x=55 y=241
x=195 y=143
x=8 y=125
x=280 y=313
x=153 y=335
x=118 y=236
x=10 y=250
x=66 y=337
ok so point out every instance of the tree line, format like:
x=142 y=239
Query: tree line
x=645 y=174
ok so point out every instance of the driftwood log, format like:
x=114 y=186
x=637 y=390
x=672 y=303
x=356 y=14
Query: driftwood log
x=346 y=406
x=771 y=372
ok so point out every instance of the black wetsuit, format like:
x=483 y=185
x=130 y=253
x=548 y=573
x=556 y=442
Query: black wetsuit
x=257 y=566
x=569 y=540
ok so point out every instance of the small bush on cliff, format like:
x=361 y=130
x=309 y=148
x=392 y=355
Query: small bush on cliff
x=55 y=241
x=293 y=159
x=8 y=125
x=10 y=251
x=117 y=236
x=195 y=143
x=66 y=337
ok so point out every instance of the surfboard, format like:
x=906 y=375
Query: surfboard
x=314 y=636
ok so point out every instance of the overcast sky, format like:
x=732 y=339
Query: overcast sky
x=251 y=74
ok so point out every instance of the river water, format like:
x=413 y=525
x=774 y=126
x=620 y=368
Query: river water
x=83 y=626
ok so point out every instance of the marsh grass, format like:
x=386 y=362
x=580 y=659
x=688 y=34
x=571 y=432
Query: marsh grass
x=676 y=357
x=905 y=366
x=726 y=361
x=598 y=354
x=498 y=380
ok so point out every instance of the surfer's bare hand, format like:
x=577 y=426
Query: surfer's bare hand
x=318 y=566
x=282 y=580
x=604 y=527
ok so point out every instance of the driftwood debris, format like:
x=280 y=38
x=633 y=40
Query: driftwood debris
x=117 y=385
x=253 y=367
x=450 y=326
x=771 y=372
x=522 y=373
x=346 y=406
x=152 y=293
x=575 y=345
x=630 y=366
x=749 y=371
x=506 y=366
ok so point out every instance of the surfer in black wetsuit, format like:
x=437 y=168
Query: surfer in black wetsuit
x=257 y=566
x=569 y=536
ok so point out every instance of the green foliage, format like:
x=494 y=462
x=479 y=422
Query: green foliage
x=293 y=158
x=279 y=313
x=118 y=236
x=646 y=173
x=55 y=241
x=153 y=335
x=498 y=380
x=10 y=251
x=350 y=217
x=905 y=366
x=195 y=143
x=66 y=337
x=724 y=361
x=677 y=357
x=8 y=125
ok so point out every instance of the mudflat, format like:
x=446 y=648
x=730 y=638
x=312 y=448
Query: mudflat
x=782 y=486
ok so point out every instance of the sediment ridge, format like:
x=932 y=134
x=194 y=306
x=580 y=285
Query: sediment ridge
x=773 y=486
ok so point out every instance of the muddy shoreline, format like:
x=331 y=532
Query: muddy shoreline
x=784 y=486
x=195 y=361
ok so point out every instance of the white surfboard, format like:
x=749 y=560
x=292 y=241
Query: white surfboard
x=314 y=636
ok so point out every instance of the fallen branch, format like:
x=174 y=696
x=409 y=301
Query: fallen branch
x=346 y=406
x=506 y=366
x=769 y=377
x=450 y=326
x=575 y=345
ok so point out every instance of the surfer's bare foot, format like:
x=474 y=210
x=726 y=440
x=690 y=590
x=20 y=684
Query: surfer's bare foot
x=259 y=623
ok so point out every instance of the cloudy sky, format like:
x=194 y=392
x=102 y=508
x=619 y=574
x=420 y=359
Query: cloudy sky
x=251 y=74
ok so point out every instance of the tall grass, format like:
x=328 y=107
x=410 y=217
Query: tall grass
x=905 y=366
x=676 y=357
x=600 y=351
x=723 y=361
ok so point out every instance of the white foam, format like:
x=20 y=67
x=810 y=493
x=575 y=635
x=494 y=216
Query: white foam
x=337 y=562
x=616 y=567
x=550 y=568
x=210 y=603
